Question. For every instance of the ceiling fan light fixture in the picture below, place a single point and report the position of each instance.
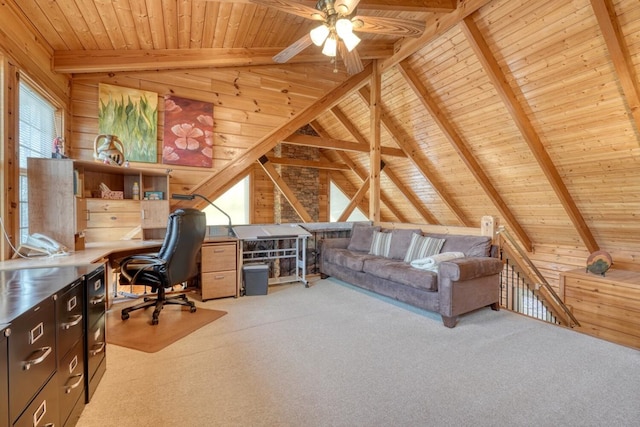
(330, 46)
(344, 27)
(351, 41)
(319, 34)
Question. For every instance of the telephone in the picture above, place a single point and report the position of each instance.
(39, 244)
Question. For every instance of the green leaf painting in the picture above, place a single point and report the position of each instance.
(131, 115)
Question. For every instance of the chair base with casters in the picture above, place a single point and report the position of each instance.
(159, 302)
(175, 263)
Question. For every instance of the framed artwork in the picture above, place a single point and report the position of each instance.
(131, 115)
(188, 132)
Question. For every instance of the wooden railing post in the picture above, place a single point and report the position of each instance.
(489, 227)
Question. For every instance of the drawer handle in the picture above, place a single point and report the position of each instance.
(218, 277)
(217, 251)
(76, 319)
(99, 348)
(45, 351)
(97, 300)
(69, 387)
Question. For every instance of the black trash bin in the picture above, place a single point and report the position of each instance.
(256, 279)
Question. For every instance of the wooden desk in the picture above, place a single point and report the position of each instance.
(103, 252)
(93, 253)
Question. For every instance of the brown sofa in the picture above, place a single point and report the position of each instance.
(458, 286)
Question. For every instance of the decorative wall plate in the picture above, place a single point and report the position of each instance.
(599, 262)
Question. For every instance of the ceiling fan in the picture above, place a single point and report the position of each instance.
(338, 20)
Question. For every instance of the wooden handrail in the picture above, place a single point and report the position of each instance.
(542, 287)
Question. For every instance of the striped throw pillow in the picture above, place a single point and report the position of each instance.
(381, 244)
(422, 247)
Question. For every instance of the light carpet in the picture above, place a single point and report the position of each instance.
(137, 332)
(332, 355)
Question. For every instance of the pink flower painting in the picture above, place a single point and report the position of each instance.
(188, 132)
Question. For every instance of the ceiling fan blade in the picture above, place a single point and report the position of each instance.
(348, 5)
(292, 7)
(390, 26)
(352, 61)
(293, 49)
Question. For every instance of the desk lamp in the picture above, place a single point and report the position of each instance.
(193, 196)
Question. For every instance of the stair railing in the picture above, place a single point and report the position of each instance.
(535, 283)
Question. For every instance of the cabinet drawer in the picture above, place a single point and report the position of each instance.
(219, 284)
(218, 257)
(96, 297)
(71, 383)
(43, 410)
(112, 213)
(32, 354)
(95, 356)
(69, 307)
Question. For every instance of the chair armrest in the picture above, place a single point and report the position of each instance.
(139, 263)
(460, 269)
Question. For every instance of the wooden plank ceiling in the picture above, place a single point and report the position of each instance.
(528, 110)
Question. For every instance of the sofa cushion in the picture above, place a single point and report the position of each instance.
(400, 272)
(361, 237)
(380, 244)
(346, 258)
(471, 246)
(422, 247)
(400, 241)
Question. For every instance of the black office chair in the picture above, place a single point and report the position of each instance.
(175, 263)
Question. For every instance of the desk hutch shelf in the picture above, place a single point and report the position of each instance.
(65, 202)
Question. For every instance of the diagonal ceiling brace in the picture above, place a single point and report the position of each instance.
(519, 116)
(465, 155)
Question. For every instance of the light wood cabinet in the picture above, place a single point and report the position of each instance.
(219, 269)
(606, 306)
(65, 201)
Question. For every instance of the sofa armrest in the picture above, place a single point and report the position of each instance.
(326, 245)
(460, 269)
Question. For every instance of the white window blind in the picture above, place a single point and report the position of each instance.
(36, 132)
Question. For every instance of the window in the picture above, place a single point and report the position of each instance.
(37, 130)
(235, 202)
(338, 202)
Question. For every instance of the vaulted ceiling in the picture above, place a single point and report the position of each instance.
(528, 110)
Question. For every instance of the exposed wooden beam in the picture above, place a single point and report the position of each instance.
(93, 61)
(284, 188)
(411, 197)
(272, 138)
(308, 163)
(435, 26)
(338, 144)
(465, 154)
(519, 116)
(414, 153)
(406, 192)
(344, 156)
(615, 40)
(404, 5)
(355, 200)
(198, 203)
(374, 143)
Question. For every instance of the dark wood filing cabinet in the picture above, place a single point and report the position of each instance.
(96, 347)
(4, 377)
(45, 373)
